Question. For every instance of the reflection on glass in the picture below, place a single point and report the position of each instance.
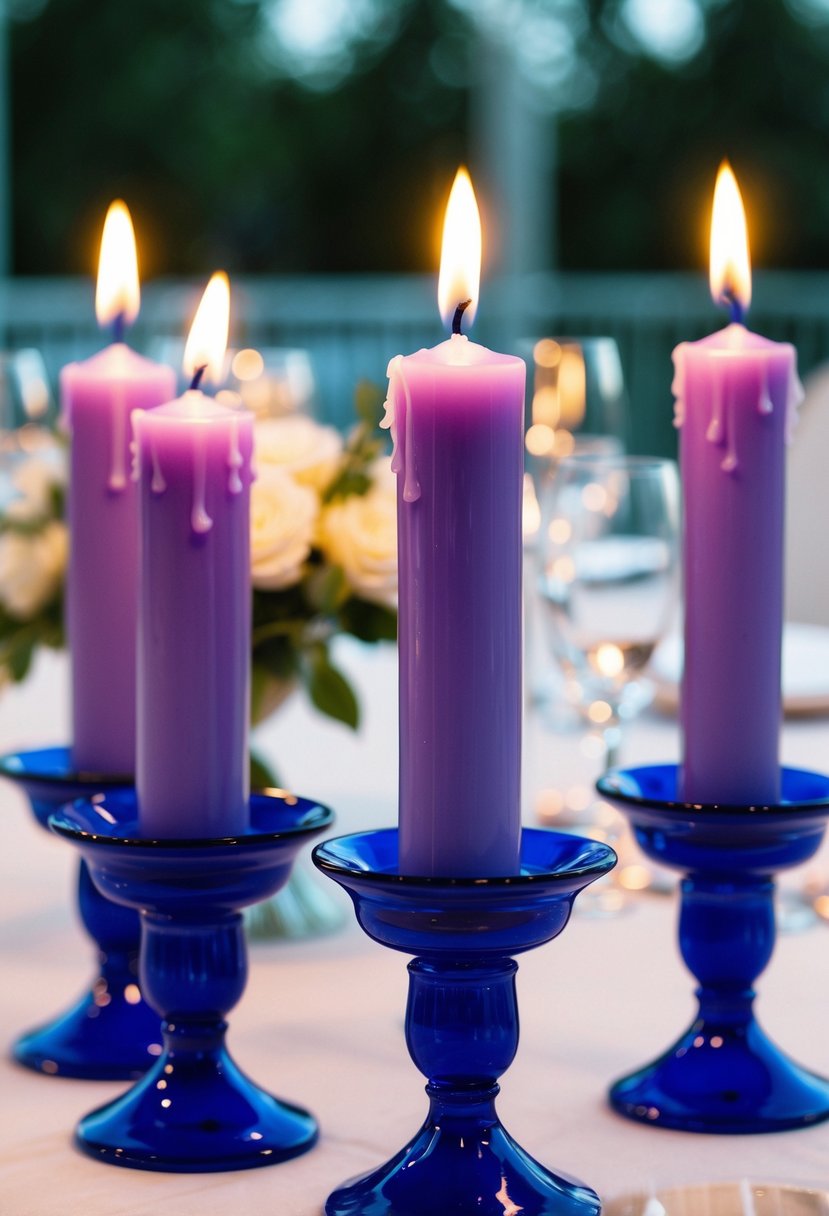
(608, 579)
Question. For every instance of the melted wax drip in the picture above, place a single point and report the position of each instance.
(200, 521)
(157, 484)
(722, 427)
(117, 479)
(678, 386)
(234, 460)
(402, 460)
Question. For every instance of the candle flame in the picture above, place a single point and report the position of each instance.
(117, 292)
(730, 264)
(460, 256)
(207, 341)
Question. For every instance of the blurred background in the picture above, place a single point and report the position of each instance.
(308, 147)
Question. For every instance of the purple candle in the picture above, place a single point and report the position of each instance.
(736, 396)
(456, 413)
(97, 399)
(193, 467)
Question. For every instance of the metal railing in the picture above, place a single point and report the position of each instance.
(351, 327)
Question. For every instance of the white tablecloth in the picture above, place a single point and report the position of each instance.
(321, 1021)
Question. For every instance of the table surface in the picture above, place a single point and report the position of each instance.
(321, 1021)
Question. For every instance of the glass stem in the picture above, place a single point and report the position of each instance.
(612, 739)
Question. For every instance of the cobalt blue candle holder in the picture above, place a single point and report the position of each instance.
(724, 1074)
(462, 1019)
(195, 1111)
(110, 1033)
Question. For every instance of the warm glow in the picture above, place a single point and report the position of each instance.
(546, 352)
(117, 293)
(531, 511)
(208, 334)
(247, 364)
(730, 264)
(572, 388)
(540, 439)
(460, 255)
(610, 660)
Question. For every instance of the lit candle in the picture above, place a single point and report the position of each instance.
(97, 399)
(456, 413)
(736, 396)
(193, 467)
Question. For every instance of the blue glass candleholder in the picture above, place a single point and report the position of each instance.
(110, 1033)
(724, 1074)
(462, 1019)
(194, 1111)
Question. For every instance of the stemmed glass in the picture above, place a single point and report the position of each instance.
(607, 584)
(575, 404)
(608, 580)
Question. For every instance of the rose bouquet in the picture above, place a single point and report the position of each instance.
(323, 553)
(33, 549)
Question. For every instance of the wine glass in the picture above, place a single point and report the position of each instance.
(608, 584)
(608, 557)
(575, 405)
(576, 399)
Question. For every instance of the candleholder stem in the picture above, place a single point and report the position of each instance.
(110, 1033)
(462, 1020)
(723, 1074)
(726, 937)
(195, 1111)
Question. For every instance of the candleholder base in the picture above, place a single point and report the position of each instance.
(462, 1019)
(724, 1075)
(195, 1111)
(111, 1033)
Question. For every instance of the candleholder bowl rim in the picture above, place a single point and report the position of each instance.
(574, 859)
(656, 786)
(54, 766)
(111, 820)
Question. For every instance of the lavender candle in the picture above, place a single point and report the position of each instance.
(736, 395)
(456, 413)
(193, 466)
(98, 396)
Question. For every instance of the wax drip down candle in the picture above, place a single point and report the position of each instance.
(193, 468)
(97, 398)
(456, 416)
(736, 400)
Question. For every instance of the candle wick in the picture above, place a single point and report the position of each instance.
(735, 307)
(197, 375)
(119, 324)
(459, 311)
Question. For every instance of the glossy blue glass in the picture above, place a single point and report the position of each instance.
(462, 1019)
(194, 1111)
(724, 1074)
(110, 1033)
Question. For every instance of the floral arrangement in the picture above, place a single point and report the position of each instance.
(323, 553)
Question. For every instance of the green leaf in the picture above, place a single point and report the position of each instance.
(18, 657)
(368, 402)
(330, 691)
(327, 589)
(368, 621)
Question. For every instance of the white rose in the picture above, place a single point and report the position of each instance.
(359, 534)
(31, 568)
(300, 446)
(32, 482)
(282, 520)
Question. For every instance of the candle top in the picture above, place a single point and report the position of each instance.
(117, 361)
(195, 406)
(458, 351)
(735, 339)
